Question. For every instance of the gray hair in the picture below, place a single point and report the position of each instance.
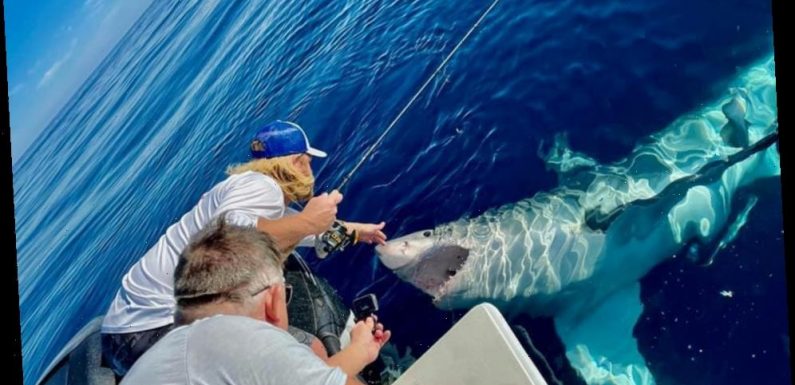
(226, 262)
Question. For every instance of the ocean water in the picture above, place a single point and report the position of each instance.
(178, 98)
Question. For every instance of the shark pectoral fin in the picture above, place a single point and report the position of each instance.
(599, 342)
(731, 230)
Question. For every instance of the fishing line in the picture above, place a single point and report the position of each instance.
(417, 94)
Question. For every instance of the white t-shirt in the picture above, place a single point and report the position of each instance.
(146, 297)
(234, 350)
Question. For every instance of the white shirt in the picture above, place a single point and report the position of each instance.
(232, 350)
(146, 298)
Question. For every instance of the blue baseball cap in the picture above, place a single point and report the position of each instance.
(280, 138)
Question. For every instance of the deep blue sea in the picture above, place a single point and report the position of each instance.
(179, 97)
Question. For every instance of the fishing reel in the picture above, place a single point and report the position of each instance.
(334, 239)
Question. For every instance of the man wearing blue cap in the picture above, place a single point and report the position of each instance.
(255, 194)
(282, 159)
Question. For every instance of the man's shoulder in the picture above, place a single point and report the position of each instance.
(251, 178)
(234, 326)
(230, 346)
(240, 336)
(223, 320)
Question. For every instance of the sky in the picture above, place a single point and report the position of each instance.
(52, 46)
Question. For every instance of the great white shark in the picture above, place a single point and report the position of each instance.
(577, 253)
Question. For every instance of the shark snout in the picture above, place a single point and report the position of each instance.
(400, 252)
(406, 250)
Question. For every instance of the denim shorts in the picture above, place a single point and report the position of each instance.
(120, 351)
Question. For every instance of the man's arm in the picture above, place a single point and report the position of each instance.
(367, 232)
(286, 231)
(351, 360)
(316, 218)
(367, 339)
(353, 381)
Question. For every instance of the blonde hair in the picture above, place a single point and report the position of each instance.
(295, 185)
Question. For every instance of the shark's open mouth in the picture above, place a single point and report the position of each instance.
(436, 269)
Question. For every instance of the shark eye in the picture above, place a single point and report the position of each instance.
(426, 234)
